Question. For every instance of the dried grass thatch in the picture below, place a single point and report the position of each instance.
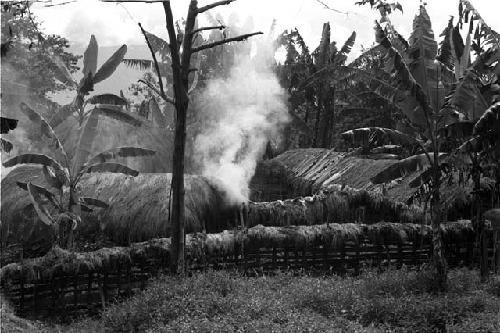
(309, 170)
(227, 243)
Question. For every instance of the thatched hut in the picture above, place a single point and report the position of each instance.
(139, 208)
(304, 172)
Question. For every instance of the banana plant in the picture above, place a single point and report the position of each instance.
(436, 92)
(64, 174)
(321, 96)
(91, 76)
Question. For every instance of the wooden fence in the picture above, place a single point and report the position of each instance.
(64, 295)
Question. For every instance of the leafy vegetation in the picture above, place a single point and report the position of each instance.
(64, 174)
(425, 73)
(91, 76)
(40, 59)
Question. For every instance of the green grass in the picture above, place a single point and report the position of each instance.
(392, 301)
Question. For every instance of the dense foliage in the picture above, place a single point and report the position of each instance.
(42, 61)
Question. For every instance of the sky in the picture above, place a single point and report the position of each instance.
(116, 24)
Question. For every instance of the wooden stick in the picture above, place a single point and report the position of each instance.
(219, 27)
(213, 5)
(225, 41)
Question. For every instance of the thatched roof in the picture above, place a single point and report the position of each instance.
(139, 206)
(309, 170)
(198, 245)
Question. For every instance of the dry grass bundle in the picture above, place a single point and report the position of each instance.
(333, 205)
(334, 236)
(391, 233)
(460, 231)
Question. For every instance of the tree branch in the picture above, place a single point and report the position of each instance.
(225, 41)
(213, 5)
(167, 98)
(220, 27)
(196, 75)
(174, 48)
(157, 67)
(146, 1)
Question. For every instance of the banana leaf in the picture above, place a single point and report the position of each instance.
(61, 115)
(94, 202)
(46, 129)
(6, 145)
(111, 167)
(115, 153)
(7, 124)
(42, 191)
(107, 99)
(401, 168)
(110, 65)
(40, 159)
(158, 117)
(39, 205)
(85, 142)
(90, 57)
(489, 121)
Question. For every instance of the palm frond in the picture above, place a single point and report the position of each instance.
(142, 64)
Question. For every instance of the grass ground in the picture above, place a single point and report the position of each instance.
(392, 301)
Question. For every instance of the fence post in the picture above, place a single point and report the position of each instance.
(53, 292)
(21, 300)
(357, 264)
(274, 258)
(286, 257)
(89, 289)
(75, 290)
(400, 254)
(325, 256)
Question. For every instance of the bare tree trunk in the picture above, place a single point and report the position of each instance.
(180, 72)
(178, 234)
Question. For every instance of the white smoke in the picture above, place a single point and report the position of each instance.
(245, 111)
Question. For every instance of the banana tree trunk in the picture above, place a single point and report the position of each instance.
(437, 240)
(478, 221)
(64, 233)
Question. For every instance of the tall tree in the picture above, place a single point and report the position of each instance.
(182, 46)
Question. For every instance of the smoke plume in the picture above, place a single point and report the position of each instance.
(245, 111)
